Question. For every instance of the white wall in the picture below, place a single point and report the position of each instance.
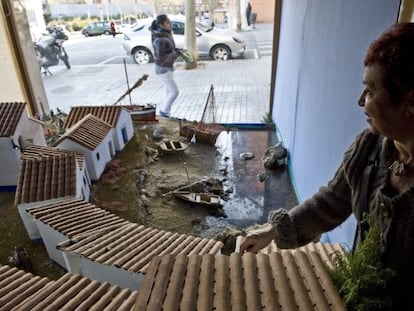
(29, 221)
(95, 167)
(30, 130)
(35, 17)
(318, 81)
(9, 163)
(123, 121)
(83, 183)
(10, 88)
(110, 9)
(111, 274)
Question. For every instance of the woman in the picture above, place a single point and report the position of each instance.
(165, 55)
(388, 103)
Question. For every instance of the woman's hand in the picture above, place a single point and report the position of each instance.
(257, 239)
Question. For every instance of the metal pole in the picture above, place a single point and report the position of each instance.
(127, 80)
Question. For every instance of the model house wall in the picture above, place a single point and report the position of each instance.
(117, 117)
(17, 130)
(96, 159)
(92, 137)
(124, 130)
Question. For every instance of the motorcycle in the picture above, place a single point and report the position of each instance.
(49, 50)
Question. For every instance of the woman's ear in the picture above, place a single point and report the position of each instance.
(410, 103)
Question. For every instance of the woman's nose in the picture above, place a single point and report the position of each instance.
(361, 100)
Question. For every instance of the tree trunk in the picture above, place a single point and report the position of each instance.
(190, 32)
(211, 9)
(234, 15)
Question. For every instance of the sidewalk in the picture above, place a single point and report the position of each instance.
(241, 87)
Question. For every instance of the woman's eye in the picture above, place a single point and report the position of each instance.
(367, 93)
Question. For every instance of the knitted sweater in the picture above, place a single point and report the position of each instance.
(164, 50)
(333, 203)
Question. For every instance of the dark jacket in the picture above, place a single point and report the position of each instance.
(164, 50)
(332, 204)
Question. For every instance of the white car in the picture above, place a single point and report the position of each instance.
(219, 44)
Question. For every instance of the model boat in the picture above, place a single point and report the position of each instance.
(208, 199)
(207, 130)
(170, 146)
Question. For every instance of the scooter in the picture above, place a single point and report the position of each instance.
(49, 49)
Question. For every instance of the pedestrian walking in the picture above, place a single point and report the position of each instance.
(248, 13)
(113, 30)
(165, 55)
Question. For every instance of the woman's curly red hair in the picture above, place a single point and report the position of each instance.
(394, 51)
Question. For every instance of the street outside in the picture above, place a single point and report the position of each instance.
(101, 50)
(98, 77)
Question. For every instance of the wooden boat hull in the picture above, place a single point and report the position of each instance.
(171, 146)
(206, 199)
(142, 113)
(205, 134)
(207, 130)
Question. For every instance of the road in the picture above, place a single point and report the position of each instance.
(101, 50)
(96, 50)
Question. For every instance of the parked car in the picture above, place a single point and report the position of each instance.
(219, 44)
(123, 28)
(96, 29)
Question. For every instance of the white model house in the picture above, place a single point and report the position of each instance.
(121, 255)
(63, 220)
(117, 117)
(17, 129)
(92, 137)
(47, 178)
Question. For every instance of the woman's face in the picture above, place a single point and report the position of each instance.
(384, 117)
(166, 25)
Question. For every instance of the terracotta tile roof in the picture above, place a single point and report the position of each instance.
(45, 178)
(283, 280)
(75, 216)
(10, 114)
(88, 132)
(35, 151)
(25, 291)
(109, 114)
(132, 246)
(326, 251)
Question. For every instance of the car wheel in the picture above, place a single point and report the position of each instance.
(220, 52)
(142, 56)
(107, 33)
(86, 34)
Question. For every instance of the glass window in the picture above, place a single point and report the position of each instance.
(138, 28)
(177, 28)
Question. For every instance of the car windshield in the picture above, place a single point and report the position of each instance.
(138, 28)
(204, 27)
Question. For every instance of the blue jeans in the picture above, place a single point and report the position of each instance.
(171, 91)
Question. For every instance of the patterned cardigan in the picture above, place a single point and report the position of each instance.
(333, 203)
